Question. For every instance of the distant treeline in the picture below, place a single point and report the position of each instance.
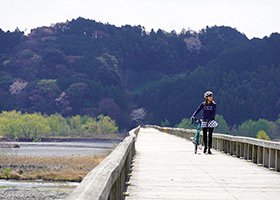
(17, 125)
(261, 128)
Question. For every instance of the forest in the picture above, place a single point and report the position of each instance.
(84, 67)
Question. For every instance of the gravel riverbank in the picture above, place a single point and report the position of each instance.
(22, 190)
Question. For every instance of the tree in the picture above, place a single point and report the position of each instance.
(138, 115)
(15, 125)
(9, 126)
(63, 103)
(33, 126)
(109, 69)
(58, 125)
(251, 128)
(17, 86)
(262, 135)
(49, 87)
(278, 121)
(193, 43)
(165, 123)
(108, 106)
(75, 123)
(185, 123)
(77, 95)
(222, 124)
(106, 125)
(90, 127)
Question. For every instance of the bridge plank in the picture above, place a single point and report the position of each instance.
(166, 168)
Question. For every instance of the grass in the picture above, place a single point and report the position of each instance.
(67, 168)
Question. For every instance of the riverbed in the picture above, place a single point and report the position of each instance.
(37, 190)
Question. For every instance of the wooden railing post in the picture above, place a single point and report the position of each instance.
(250, 149)
(277, 161)
(254, 154)
(260, 156)
(234, 150)
(271, 159)
(265, 157)
(238, 149)
(215, 143)
(242, 150)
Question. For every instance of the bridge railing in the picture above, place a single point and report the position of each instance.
(261, 152)
(109, 179)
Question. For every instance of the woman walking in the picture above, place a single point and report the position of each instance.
(208, 119)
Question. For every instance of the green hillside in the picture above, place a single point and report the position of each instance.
(89, 68)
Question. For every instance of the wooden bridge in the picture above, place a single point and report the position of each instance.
(159, 163)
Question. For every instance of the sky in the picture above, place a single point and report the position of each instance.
(255, 18)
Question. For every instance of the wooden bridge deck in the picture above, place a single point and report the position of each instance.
(166, 168)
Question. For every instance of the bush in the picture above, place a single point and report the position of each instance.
(6, 172)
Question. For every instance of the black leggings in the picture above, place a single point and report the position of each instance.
(210, 130)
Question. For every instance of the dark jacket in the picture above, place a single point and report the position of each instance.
(209, 111)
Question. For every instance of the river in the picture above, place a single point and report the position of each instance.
(59, 148)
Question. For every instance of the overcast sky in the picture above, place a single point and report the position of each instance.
(255, 18)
